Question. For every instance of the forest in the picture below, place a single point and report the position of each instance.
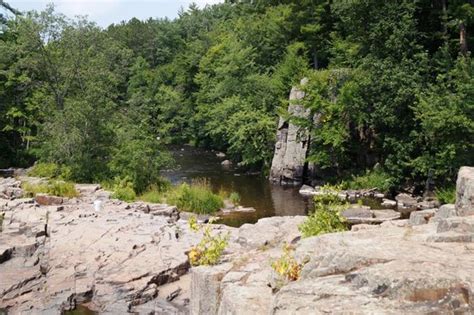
(391, 83)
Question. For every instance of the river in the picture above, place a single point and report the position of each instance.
(254, 189)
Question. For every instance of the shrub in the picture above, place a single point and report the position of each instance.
(234, 198)
(371, 179)
(287, 266)
(210, 248)
(2, 216)
(31, 190)
(446, 195)
(326, 217)
(63, 189)
(55, 188)
(48, 170)
(123, 190)
(330, 195)
(197, 198)
(152, 196)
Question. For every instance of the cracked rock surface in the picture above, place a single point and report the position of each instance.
(125, 257)
(387, 269)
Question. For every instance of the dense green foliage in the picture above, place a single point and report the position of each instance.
(390, 82)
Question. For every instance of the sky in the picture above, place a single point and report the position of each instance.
(106, 12)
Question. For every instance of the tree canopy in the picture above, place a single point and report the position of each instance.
(390, 80)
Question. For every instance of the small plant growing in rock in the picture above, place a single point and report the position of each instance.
(286, 266)
(446, 195)
(210, 248)
(326, 217)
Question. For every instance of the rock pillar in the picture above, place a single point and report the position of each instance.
(292, 144)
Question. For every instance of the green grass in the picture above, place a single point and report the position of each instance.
(152, 196)
(371, 179)
(446, 194)
(197, 197)
(53, 187)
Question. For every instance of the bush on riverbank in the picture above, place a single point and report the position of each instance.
(326, 217)
(376, 178)
(53, 187)
(151, 196)
(197, 197)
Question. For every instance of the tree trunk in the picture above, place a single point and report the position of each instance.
(463, 38)
(315, 59)
(444, 19)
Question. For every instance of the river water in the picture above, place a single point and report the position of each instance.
(254, 189)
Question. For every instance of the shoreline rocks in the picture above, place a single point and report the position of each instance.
(420, 265)
(132, 258)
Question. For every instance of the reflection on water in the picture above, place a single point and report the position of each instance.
(255, 190)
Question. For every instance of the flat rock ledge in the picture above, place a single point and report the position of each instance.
(58, 253)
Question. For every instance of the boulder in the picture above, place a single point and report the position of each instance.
(226, 163)
(422, 217)
(387, 203)
(406, 203)
(465, 191)
(306, 190)
(206, 288)
(446, 211)
(428, 203)
(456, 224)
(357, 215)
(47, 200)
(363, 215)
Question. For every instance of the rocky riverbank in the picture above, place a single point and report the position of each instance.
(56, 254)
(421, 265)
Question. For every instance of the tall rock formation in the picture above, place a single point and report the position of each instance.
(292, 144)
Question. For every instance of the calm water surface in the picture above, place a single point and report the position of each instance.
(254, 189)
